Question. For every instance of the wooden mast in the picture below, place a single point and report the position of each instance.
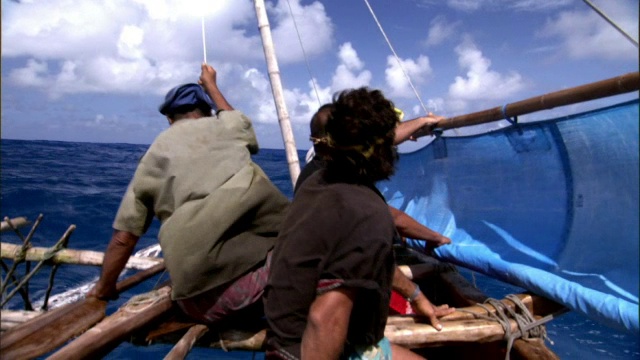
(276, 88)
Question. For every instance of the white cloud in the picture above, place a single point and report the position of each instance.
(348, 74)
(417, 70)
(466, 5)
(584, 34)
(440, 29)
(349, 57)
(131, 38)
(148, 46)
(312, 25)
(30, 75)
(517, 5)
(122, 46)
(481, 83)
(537, 5)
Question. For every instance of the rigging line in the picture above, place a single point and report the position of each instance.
(304, 54)
(604, 16)
(204, 45)
(396, 56)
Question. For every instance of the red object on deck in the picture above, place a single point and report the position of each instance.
(399, 305)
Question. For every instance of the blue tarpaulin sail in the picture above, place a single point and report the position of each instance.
(549, 206)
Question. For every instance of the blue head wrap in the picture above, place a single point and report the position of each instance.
(185, 95)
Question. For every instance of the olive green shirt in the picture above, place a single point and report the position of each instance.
(219, 212)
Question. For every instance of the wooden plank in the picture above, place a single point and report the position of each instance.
(52, 329)
(12, 318)
(184, 345)
(108, 333)
(18, 316)
(470, 312)
(459, 331)
(76, 257)
(48, 331)
(532, 349)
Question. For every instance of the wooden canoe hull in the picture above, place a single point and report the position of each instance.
(467, 333)
(463, 336)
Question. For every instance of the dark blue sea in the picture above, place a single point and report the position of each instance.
(81, 184)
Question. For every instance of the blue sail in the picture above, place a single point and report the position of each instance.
(550, 206)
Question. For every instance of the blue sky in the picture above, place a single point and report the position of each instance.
(96, 71)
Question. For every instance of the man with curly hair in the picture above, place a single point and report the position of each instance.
(329, 288)
(406, 225)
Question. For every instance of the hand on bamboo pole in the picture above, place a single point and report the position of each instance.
(414, 128)
(422, 306)
(431, 122)
(118, 253)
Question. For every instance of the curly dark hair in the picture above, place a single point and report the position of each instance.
(360, 136)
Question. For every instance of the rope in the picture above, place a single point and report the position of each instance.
(148, 300)
(304, 54)
(204, 43)
(611, 22)
(223, 346)
(528, 326)
(512, 120)
(397, 58)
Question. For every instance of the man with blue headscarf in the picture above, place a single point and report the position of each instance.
(219, 212)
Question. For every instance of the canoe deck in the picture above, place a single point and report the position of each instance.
(467, 332)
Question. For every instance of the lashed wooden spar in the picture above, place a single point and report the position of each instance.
(613, 86)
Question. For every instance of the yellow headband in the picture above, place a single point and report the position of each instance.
(366, 152)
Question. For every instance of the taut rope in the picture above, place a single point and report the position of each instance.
(424, 108)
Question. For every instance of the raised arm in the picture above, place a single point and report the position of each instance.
(208, 81)
(115, 258)
(327, 324)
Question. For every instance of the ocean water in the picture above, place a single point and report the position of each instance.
(81, 184)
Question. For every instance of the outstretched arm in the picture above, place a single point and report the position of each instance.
(208, 81)
(409, 227)
(115, 258)
(422, 125)
(327, 324)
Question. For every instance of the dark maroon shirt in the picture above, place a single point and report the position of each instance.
(335, 234)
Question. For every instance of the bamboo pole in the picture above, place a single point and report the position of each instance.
(53, 328)
(253, 342)
(614, 86)
(26, 243)
(107, 334)
(184, 345)
(536, 305)
(76, 257)
(12, 318)
(276, 88)
(16, 222)
(64, 240)
(467, 331)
